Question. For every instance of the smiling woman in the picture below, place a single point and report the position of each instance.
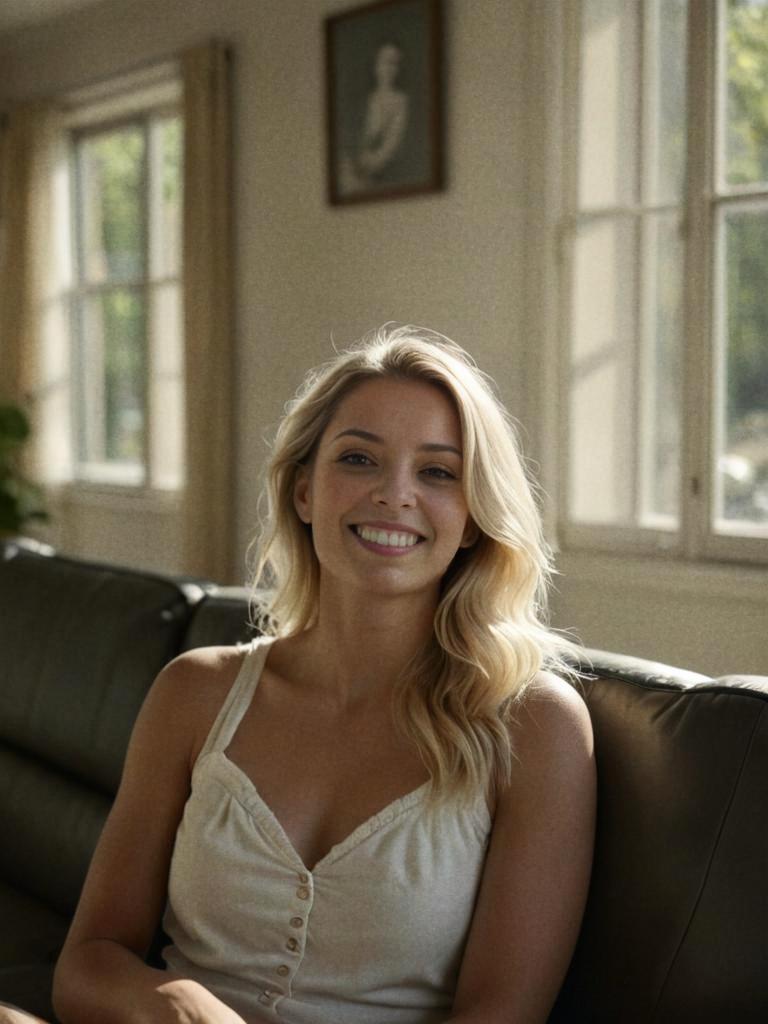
(342, 819)
(383, 484)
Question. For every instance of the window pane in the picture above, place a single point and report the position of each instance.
(111, 181)
(166, 195)
(609, 111)
(602, 373)
(112, 377)
(665, 100)
(660, 380)
(167, 392)
(742, 480)
(746, 82)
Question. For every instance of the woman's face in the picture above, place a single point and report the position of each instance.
(384, 491)
(387, 64)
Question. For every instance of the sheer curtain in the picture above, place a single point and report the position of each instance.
(208, 506)
(33, 367)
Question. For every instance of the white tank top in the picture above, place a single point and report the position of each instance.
(373, 935)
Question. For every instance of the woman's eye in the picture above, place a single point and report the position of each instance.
(438, 473)
(355, 459)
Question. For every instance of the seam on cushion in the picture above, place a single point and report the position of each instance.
(715, 847)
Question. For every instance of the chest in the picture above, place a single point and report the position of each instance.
(321, 773)
(384, 109)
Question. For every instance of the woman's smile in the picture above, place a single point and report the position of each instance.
(386, 540)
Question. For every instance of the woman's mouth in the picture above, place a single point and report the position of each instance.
(394, 540)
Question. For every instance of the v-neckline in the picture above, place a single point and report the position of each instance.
(258, 806)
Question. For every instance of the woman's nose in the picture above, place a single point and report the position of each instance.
(394, 489)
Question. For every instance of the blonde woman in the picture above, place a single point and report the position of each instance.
(382, 811)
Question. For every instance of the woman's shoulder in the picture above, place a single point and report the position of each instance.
(551, 717)
(191, 689)
(552, 748)
(547, 688)
(202, 673)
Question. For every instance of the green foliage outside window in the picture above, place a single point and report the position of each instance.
(113, 220)
(116, 164)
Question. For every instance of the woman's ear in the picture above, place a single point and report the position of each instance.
(471, 533)
(302, 494)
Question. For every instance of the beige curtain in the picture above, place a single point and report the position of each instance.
(208, 506)
(27, 157)
(19, 171)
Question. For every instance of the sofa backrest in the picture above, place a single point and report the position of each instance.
(222, 617)
(79, 647)
(676, 926)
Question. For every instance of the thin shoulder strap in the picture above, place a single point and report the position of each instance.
(239, 697)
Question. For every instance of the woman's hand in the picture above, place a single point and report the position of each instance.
(191, 1003)
(11, 1015)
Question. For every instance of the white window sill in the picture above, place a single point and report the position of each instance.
(118, 497)
(663, 575)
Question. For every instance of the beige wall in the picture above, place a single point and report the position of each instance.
(307, 272)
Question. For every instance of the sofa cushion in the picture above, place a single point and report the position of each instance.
(54, 821)
(29, 986)
(31, 937)
(80, 651)
(677, 917)
(31, 931)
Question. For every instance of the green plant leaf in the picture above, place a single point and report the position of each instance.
(14, 425)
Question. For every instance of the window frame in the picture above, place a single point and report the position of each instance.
(695, 537)
(137, 98)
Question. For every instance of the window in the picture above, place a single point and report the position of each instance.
(126, 337)
(665, 309)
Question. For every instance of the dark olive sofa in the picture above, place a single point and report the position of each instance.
(676, 927)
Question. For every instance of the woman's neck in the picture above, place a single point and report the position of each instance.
(360, 648)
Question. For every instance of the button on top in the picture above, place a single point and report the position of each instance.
(302, 892)
(303, 878)
(282, 970)
(292, 944)
(297, 922)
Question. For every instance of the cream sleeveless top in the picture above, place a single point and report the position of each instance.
(373, 935)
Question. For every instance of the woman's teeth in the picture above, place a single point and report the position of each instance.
(386, 539)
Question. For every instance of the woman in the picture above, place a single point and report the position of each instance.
(386, 116)
(381, 812)
(385, 123)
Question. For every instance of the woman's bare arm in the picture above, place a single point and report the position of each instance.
(101, 977)
(537, 872)
(11, 1015)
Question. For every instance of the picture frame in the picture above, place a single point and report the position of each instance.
(384, 101)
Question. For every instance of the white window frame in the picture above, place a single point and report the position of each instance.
(132, 98)
(695, 539)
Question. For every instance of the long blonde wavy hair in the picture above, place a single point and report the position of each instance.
(455, 701)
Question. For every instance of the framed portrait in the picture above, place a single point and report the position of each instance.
(384, 100)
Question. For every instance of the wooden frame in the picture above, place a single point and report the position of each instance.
(384, 100)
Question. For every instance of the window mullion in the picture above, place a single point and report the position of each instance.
(146, 212)
(635, 443)
(571, 131)
(696, 473)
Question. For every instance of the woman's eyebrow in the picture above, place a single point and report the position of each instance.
(366, 435)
